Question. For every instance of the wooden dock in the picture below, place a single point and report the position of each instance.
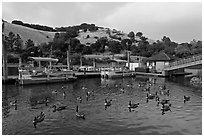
(82, 75)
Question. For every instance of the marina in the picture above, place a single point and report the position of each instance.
(101, 71)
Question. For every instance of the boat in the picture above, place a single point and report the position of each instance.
(116, 73)
(42, 75)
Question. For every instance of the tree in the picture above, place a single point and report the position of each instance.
(131, 35)
(126, 44)
(182, 50)
(115, 47)
(10, 41)
(139, 34)
(18, 45)
(87, 50)
(29, 44)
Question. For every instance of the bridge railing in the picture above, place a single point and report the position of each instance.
(184, 61)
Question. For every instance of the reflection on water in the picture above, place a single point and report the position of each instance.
(185, 118)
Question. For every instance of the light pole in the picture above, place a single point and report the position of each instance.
(68, 52)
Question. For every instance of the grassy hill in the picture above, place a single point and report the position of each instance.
(28, 33)
(39, 36)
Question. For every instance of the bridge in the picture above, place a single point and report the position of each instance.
(179, 65)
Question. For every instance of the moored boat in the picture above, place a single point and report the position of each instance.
(33, 75)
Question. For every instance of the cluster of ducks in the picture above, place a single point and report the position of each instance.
(79, 115)
(165, 103)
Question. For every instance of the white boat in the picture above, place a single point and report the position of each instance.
(40, 75)
(116, 73)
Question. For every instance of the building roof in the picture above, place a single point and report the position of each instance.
(44, 59)
(160, 57)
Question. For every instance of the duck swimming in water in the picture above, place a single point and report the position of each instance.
(132, 106)
(58, 108)
(14, 104)
(79, 115)
(186, 98)
(107, 103)
(165, 107)
(79, 99)
(38, 119)
(54, 92)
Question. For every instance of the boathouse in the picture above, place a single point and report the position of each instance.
(157, 62)
(137, 62)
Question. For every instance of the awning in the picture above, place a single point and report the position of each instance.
(44, 59)
(118, 60)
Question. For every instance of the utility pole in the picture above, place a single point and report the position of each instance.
(68, 54)
(4, 49)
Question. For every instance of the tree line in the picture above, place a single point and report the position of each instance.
(83, 26)
(136, 43)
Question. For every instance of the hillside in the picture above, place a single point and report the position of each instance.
(27, 33)
(39, 36)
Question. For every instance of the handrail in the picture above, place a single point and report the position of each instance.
(184, 61)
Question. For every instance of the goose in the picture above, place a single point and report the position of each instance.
(122, 90)
(58, 108)
(79, 115)
(150, 96)
(107, 103)
(163, 87)
(165, 108)
(54, 92)
(14, 104)
(79, 99)
(38, 119)
(132, 106)
(84, 88)
(186, 98)
(64, 94)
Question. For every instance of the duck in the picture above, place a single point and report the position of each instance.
(14, 104)
(83, 88)
(79, 115)
(55, 92)
(122, 90)
(163, 87)
(79, 99)
(186, 98)
(132, 106)
(46, 101)
(62, 87)
(38, 119)
(150, 96)
(107, 103)
(165, 108)
(64, 94)
(58, 108)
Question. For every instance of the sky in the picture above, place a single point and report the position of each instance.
(181, 21)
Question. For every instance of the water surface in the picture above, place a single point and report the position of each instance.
(185, 118)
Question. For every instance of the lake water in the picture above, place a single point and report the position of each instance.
(147, 119)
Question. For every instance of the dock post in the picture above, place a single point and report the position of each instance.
(4, 49)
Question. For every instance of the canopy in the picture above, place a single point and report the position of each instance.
(44, 59)
(118, 60)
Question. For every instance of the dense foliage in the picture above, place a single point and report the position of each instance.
(136, 43)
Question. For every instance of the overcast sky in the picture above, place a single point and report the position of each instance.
(182, 22)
